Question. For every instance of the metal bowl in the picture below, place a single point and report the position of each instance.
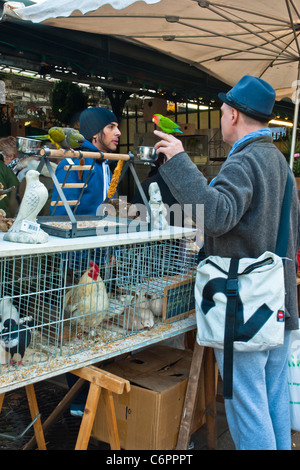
(27, 145)
(147, 154)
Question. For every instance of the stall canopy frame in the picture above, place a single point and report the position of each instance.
(223, 39)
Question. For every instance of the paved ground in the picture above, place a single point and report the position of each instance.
(15, 417)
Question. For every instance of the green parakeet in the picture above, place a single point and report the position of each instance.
(63, 137)
(166, 124)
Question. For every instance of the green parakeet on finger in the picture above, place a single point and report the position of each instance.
(166, 124)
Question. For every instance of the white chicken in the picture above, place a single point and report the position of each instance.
(87, 303)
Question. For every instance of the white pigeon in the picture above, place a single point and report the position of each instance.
(34, 199)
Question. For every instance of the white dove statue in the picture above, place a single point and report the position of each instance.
(25, 228)
(158, 209)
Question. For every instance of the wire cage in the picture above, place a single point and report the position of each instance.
(59, 304)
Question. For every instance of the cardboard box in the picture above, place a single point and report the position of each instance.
(149, 416)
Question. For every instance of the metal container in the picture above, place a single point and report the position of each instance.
(27, 145)
(147, 154)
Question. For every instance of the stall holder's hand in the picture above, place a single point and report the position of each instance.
(169, 145)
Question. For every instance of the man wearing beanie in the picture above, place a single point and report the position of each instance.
(100, 128)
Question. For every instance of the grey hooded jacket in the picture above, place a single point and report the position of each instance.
(242, 209)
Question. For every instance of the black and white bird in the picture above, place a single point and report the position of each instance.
(8, 311)
(16, 339)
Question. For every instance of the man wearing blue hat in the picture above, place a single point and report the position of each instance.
(241, 217)
(100, 128)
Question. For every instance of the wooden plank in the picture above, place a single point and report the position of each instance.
(77, 167)
(72, 185)
(1, 400)
(190, 398)
(34, 411)
(60, 203)
(111, 420)
(103, 379)
(88, 417)
(61, 153)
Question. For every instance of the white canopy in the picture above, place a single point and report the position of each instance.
(226, 39)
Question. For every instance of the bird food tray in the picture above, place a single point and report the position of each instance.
(90, 225)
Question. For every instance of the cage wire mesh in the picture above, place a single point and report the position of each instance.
(66, 303)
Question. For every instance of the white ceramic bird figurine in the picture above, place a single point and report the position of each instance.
(158, 209)
(24, 228)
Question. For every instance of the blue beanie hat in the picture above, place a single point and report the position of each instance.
(93, 120)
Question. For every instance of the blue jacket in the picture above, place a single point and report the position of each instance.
(96, 190)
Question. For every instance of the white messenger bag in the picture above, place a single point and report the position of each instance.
(259, 312)
(240, 306)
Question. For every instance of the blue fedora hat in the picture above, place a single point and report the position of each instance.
(252, 96)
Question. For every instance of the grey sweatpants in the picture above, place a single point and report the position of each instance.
(258, 415)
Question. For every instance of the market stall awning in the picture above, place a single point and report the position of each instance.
(223, 39)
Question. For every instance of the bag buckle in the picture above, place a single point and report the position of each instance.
(232, 287)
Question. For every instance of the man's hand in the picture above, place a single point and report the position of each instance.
(169, 145)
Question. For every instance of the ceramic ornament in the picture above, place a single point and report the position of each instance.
(25, 228)
(158, 210)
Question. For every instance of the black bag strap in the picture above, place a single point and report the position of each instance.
(284, 224)
(232, 290)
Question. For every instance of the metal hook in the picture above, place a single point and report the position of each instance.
(15, 438)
